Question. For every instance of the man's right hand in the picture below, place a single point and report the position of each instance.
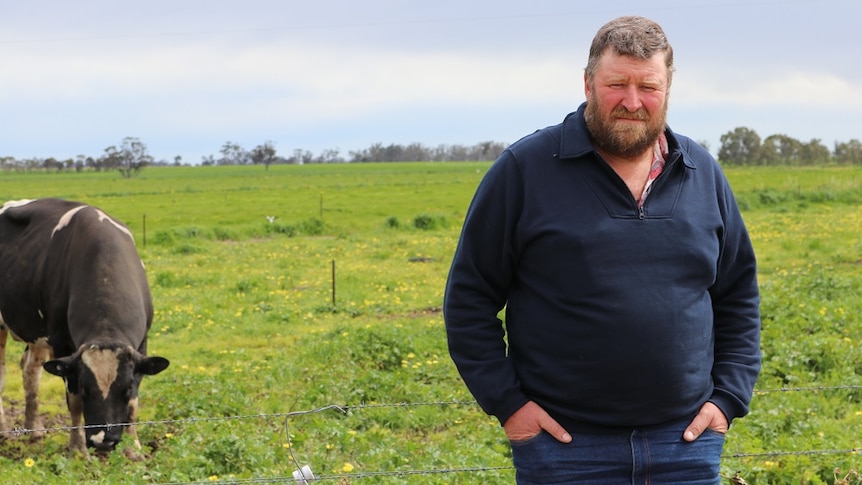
(530, 420)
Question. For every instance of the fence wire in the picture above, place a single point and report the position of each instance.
(353, 476)
(344, 409)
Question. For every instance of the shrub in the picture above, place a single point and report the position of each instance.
(392, 222)
(311, 227)
(428, 222)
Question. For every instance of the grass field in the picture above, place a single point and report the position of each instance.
(304, 287)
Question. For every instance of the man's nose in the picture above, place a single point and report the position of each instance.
(631, 99)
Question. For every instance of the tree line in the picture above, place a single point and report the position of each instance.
(128, 158)
(265, 154)
(741, 146)
(132, 155)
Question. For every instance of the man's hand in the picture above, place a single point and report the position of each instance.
(709, 416)
(530, 420)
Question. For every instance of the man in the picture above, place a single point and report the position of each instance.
(632, 329)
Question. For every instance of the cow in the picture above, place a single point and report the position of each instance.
(74, 289)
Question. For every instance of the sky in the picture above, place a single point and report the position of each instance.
(186, 77)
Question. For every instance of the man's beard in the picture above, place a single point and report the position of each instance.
(623, 139)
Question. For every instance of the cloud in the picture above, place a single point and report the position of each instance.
(776, 88)
(313, 81)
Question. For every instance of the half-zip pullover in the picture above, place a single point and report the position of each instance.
(616, 313)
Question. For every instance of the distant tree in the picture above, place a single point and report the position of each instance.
(130, 158)
(111, 158)
(80, 163)
(31, 164)
(439, 153)
(301, 157)
(848, 153)
(414, 152)
(7, 163)
(489, 150)
(356, 156)
(780, 150)
(329, 156)
(814, 153)
(233, 154)
(459, 153)
(739, 147)
(52, 164)
(263, 154)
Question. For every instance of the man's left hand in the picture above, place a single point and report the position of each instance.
(709, 416)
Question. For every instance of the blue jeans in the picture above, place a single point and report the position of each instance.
(643, 456)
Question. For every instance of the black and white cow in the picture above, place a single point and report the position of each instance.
(73, 285)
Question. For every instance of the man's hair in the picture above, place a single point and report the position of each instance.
(631, 36)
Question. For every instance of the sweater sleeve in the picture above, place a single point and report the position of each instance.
(736, 312)
(477, 289)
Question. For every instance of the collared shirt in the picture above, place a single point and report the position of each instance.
(659, 156)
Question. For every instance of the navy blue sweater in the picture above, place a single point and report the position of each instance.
(614, 315)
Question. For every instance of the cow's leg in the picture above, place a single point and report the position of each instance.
(4, 333)
(77, 440)
(133, 453)
(31, 369)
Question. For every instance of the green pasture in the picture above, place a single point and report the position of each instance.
(300, 309)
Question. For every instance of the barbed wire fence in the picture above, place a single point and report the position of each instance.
(303, 474)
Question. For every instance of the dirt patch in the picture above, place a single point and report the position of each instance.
(424, 312)
(17, 444)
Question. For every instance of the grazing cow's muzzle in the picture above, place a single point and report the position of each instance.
(104, 439)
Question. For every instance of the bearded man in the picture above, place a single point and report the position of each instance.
(631, 335)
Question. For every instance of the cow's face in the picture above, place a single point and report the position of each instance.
(104, 379)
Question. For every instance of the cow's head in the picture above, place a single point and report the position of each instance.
(104, 379)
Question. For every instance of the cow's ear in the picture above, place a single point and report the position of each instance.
(59, 367)
(152, 365)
